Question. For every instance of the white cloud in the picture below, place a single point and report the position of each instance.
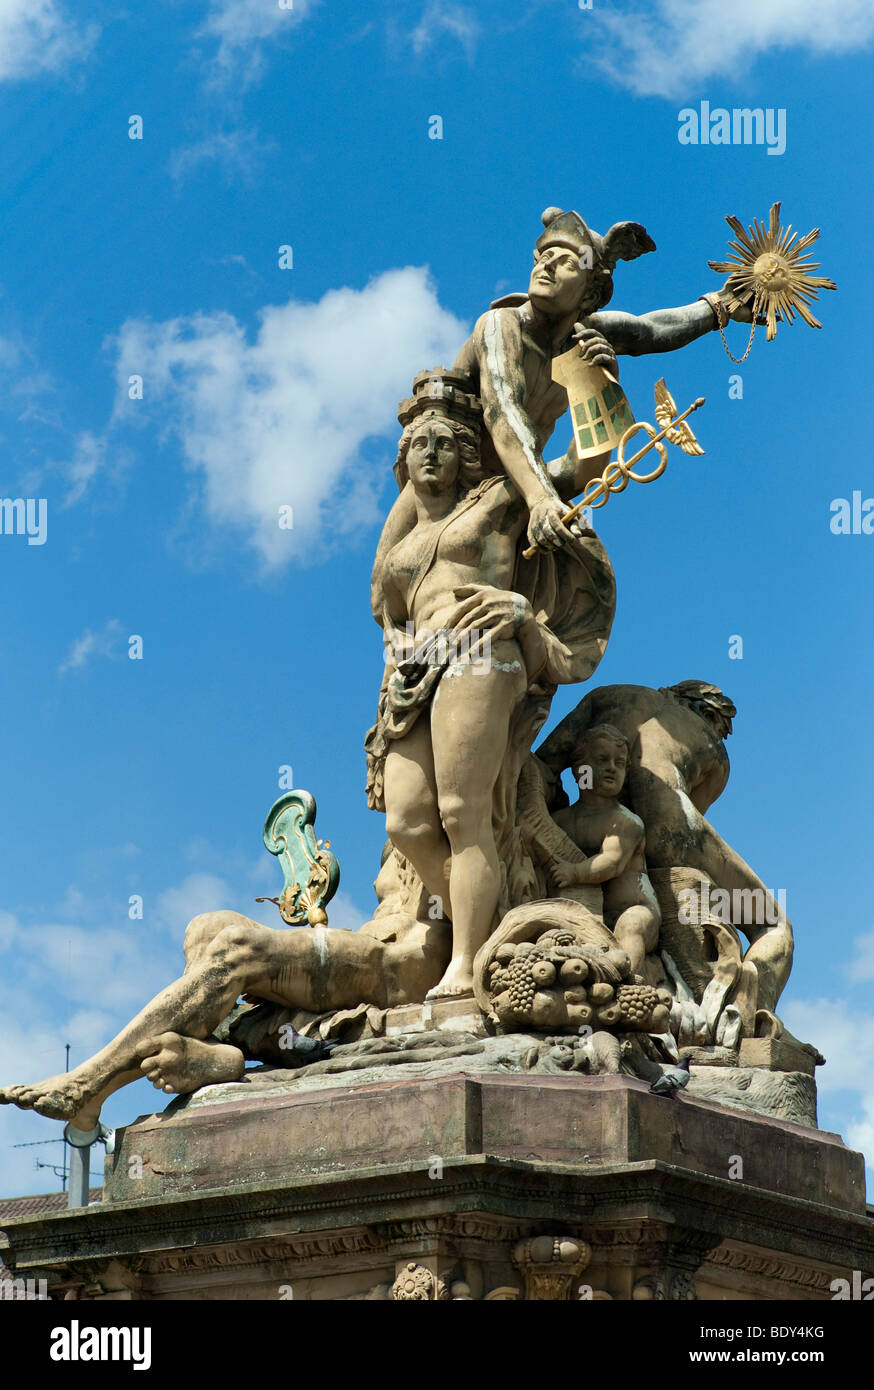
(26, 391)
(862, 966)
(104, 642)
(33, 1033)
(195, 894)
(89, 457)
(25, 1055)
(237, 152)
(38, 36)
(79, 981)
(241, 26)
(14, 360)
(441, 18)
(844, 1036)
(115, 968)
(670, 46)
(280, 421)
(344, 915)
(204, 892)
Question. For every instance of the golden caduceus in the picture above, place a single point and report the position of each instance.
(620, 471)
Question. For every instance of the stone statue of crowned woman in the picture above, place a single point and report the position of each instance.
(477, 640)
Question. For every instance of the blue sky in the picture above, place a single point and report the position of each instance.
(262, 386)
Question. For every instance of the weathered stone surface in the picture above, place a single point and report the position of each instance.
(422, 1043)
(566, 1177)
(780, 1054)
(218, 1139)
(455, 1015)
(781, 1095)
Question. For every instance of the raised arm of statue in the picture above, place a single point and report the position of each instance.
(663, 330)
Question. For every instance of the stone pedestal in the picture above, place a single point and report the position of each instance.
(470, 1184)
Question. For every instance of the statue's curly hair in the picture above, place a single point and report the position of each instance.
(599, 291)
(467, 437)
(706, 700)
(608, 731)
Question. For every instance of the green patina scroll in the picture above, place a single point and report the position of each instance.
(310, 871)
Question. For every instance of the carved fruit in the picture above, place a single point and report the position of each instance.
(579, 1014)
(601, 993)
(637, 1003)
(563, 952)
(521, 986)
(577, 995)
(609, 1015)
(505, 953)
(543, 974)
(661, 1017)
(573, 972)
(548, 1010)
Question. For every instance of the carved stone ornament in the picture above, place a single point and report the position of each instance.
(417, 1282)
(551, 1265)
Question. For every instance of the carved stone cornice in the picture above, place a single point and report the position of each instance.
(493, 1194)
(468, 1228)
(285, 1252)
(666, 1256)
(772, 1268)
(644, 1240)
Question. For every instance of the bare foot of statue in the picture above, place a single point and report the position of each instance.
(457, 983)
(60, 1097)
(174, 1063)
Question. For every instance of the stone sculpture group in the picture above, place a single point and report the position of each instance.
(566, 923)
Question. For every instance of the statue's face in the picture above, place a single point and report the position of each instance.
(608, 761)
(558, 282)
(433, 459)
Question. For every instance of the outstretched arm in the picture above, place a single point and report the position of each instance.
(666, 329)
(661, 331)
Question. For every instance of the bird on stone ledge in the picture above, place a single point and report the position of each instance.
(304, 1049)
(672, 1080)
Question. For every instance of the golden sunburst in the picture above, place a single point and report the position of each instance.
(769, 274)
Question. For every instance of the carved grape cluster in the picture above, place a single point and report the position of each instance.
(636, 1003)
(521, 987)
